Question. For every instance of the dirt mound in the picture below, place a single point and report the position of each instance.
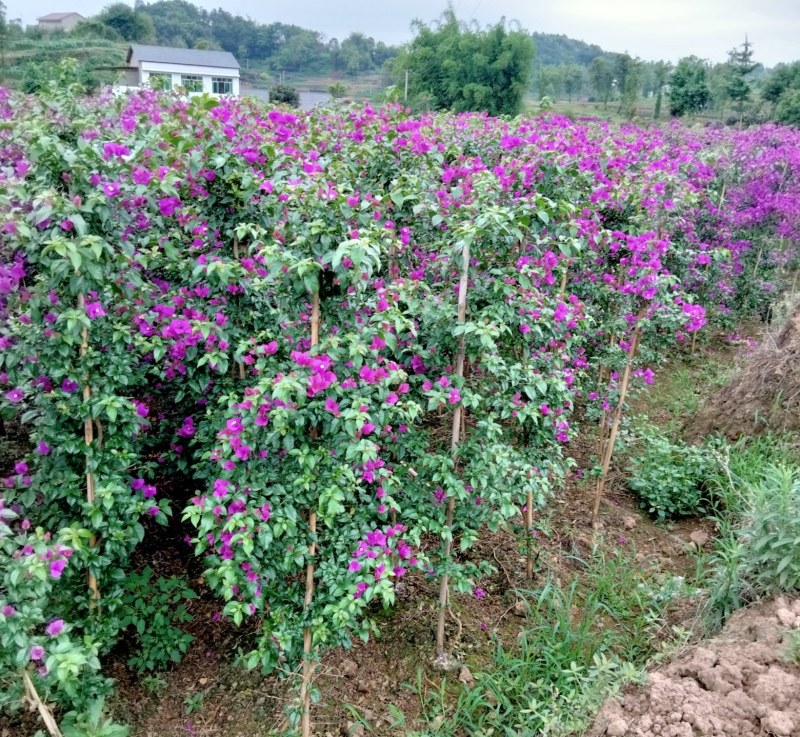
(765, 395)
(739, 683)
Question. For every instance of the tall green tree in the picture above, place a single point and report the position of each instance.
(740, 66)
(602, 77)
(783, 78)
(130, 24)
(661, 71)
(574, 77)
(550, 81)
(628, 76)
(788, 108)
(3, 35)
(688, 90)
(465, 68)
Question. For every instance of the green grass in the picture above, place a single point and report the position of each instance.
(580, 643)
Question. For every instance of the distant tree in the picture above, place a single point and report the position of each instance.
(689, 92)
(462, 67)
(180, 23)
(602, 78)
(550, 82)
(628, 76)
(337, 90)
(303, 50)
(357, 53)
(574, 77)
(788, 108)
(93, 28)
(661, 71)
(130, 24)
(285, 94)
(740, 66)
(784, 77)
(3, 37)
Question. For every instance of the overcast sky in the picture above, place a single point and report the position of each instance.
(651, 29)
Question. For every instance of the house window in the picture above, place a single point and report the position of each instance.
(160, 82)
(192, 83)
(222, 85)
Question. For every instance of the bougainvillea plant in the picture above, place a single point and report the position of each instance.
(345, 343)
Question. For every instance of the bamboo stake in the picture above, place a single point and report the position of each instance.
(308, 665)
(601, 440)
(454, 441)
(88, 436)
(44, 712)
(758, 261)
(529, 525)
(236, 256)
(609, 450)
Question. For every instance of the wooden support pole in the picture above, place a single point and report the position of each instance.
(88, 437)
(609, 449)
(444, 583)
(308, 662)
(32, 696)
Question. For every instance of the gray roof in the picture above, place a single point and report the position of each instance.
(168, 55)
(57, 16)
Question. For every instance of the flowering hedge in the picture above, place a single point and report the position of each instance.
(350, 332)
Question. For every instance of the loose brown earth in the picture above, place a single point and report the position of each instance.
(739, 683)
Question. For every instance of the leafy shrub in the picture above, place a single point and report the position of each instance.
(757, 554)
(285, 94)
(771, 532)
(154, 608)
(669, 476)
(92, 723)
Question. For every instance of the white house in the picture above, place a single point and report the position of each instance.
(59, 21)
(190, 70)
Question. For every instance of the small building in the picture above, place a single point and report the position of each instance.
(192, 71)
(59, 21)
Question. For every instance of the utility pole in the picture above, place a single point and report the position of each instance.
(405, 94)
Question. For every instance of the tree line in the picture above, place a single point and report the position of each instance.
(451, 64)
(737, 90)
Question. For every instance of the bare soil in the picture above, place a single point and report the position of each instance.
(741, 682)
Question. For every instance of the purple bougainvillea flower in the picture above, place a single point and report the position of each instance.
(57, 567)
(69, 386)
(168, 205)
(94, 310)
(141, 176)
(55, 628)
(15, 395)
(37, 652)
